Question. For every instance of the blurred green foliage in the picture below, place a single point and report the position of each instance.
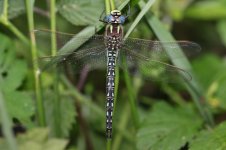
(37, 139)
(169, 117)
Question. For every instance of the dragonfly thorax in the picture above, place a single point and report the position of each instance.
(115, 17)
(113, 43)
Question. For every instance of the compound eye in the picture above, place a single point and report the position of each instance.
(122, 19)
(108, 18)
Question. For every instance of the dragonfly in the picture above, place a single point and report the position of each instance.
(111, 49)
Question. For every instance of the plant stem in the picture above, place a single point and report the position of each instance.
(5, 11)
(107, 7)
(53, 27)
(17, 33)
(109, 144)
(4, 20)
(132, 97)
(56, 101)
(112, 4)
(174, 95)
(39, 100)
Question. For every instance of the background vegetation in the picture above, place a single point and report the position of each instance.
(51, 112)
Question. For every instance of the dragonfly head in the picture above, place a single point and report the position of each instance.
(115, 17)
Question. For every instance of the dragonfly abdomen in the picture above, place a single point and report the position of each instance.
(110, 88)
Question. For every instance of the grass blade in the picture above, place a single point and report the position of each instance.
(139, 17)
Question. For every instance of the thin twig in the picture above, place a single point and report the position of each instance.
(41, 12)
(82, 122)
(83, 77)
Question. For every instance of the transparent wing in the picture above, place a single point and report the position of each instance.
(155, 70)
(66, 43)
(93, 58)
(162, 50)
(71, 50)
(153, 57)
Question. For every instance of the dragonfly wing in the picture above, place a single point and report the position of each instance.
(162, 50)
(66, 43)
(93, 58)
(153, 68)
(73, 50)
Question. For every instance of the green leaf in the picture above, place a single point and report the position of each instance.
(210, 139)
(13, 71)
(20, 106)
(37, 139)
(67, 116)
(15, 74)
(168, 128)
(81, 12)
(12, 74)
(5, 44)
(207, 10)
(16, 8)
